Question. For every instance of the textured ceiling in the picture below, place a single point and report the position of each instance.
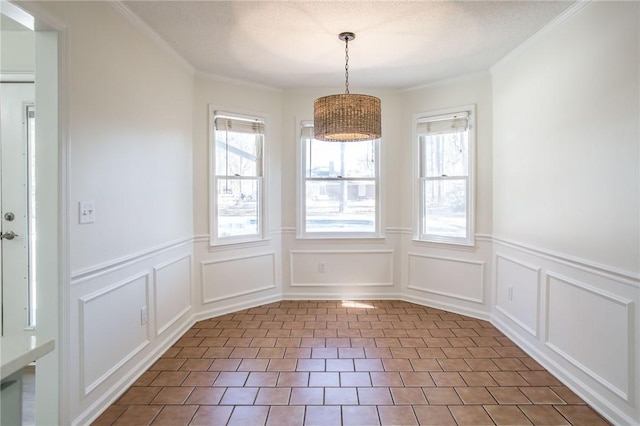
(293, 44)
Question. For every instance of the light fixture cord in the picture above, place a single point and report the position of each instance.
(346, 65)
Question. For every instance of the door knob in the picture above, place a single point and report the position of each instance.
(8, 235)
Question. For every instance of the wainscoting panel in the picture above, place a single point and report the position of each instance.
(232, 277)
(112, 341)
(111, 329)
(355, 268)
(587, 326)
(172, 290)
(517, 293)
(592, 329)
(455, 278)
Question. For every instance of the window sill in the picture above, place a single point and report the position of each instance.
(341, 238)
(236, 245)
(445, 244)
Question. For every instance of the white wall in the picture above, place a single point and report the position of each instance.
(448, 276)
(139, 147)
(127, 112)
(566, 202)
(233, 277)
(346, 276)
(566, 175)
(469, 90)
(48, 219)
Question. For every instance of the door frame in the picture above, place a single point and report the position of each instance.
(16, 295)
(52, 47)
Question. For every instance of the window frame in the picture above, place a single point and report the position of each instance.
(261, 179)
(419, 180)
(302, 179)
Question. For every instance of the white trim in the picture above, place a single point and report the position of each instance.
(99, 270)
(202, 238)
(291, 230)
(516, 321)
(234, 295)
(16, 77)
(442, 293)
(64, 244)
(487, 238)
(340, 284)
(444, 245)
(605, 271)
(558, 21)
(235, 81)
(145, 29)
(474, 313)
(15, 13)
(452, 80)
(262, 179)
(534, 268)
(156, 270)
(366, 251)
(301, 181)
(112, 394)
(397, 230)
(346, 296)
(585, 392)
(445, 294)
(625, 303)
(471, 179)
(205, 263)
(214, 312)
(87, 389)
(237, 245)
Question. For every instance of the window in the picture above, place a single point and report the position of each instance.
(237, 199)
(445, 146)
(339, 194)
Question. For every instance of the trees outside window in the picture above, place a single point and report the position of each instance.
(445, 181)
(237, 207)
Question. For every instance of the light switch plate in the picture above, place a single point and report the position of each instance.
(87, 212)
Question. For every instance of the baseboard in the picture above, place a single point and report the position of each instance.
(473, 313)
(607, 410)
(347, 296)
(89, 415)
(213, 312)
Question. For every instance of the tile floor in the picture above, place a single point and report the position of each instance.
(349, 363)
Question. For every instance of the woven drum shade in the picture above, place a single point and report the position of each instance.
(347, 118)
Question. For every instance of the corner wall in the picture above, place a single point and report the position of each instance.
(234, 277)
(127, 145)
(566, 202)
(448, 276)
(357, 268)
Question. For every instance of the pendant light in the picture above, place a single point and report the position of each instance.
(347, 117)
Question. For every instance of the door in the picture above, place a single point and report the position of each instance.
(17, 130)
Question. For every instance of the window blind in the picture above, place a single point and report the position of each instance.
(229, 122)
(306, 131)
(438, 125)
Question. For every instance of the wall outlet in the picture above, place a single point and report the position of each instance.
(87, 212)
(510, 293)
(144, 316)
(322, 267)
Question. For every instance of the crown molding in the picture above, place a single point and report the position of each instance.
(560, 20)
(134, 19)
(236, 81)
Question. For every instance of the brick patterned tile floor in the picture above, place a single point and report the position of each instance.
(346, 363)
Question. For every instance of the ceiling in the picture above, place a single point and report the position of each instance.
(294, 44)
